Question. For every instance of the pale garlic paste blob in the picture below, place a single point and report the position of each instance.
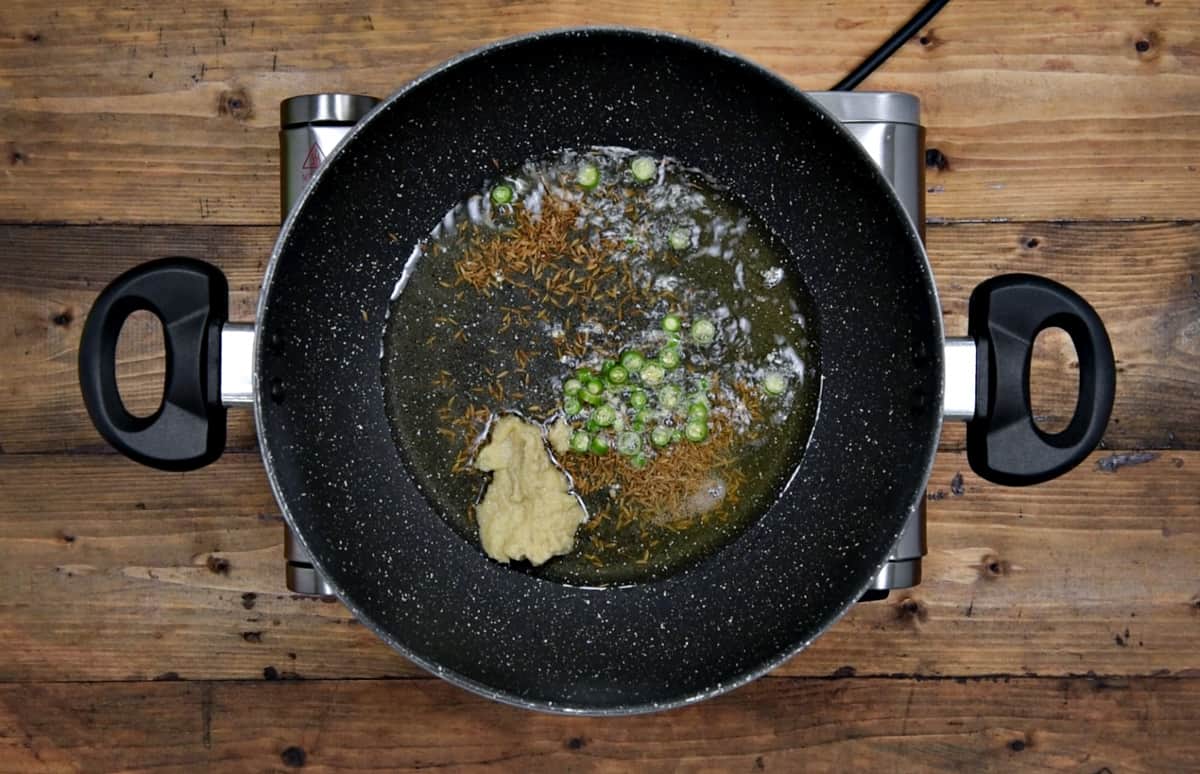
(559, 436)
(528, 511)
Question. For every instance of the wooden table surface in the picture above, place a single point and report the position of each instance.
(144, 622)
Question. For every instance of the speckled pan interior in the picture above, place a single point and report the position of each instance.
(344, 485)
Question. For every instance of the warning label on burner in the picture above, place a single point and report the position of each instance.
(312, 162)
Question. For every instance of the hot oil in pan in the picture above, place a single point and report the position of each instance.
(574, 270)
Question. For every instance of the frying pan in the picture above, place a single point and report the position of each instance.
(345, 488)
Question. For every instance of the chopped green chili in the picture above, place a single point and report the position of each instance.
(638, 399)
(695, 431)
(704, 332)
(502, 194)
(588, 176)
(639, 461)
(629, 443)
(643, 169)
(660, 436)
(572, 386)
(604, 415)
(697, 412)
(774, 383)
(669, 396)
(599, 445)
(633, 361)
(671, 323)
(654, 373)
(670, 358)
(680, 239)
(572, 405)
(618, 374)
(591, 398)
(580, 442)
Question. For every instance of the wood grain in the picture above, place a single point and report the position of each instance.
(998, 725)
(1144, 279)
(114, 572)
(155, 113)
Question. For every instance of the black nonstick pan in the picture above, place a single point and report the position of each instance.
(343, 483)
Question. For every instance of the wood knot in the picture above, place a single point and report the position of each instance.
(217, 565)
(32, 37)
(992, 567)
(909, 609)
(255, 637)
(935, 159)
(235, 103)
(576, 743)
(63, 318)
(1017, 745)
(248, 600)
(66, 537)
(929, 40)
(293, 757)
(1148, 46)
(17, 158)
(1032, 243)
(842, 23)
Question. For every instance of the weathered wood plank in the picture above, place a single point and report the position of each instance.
(1091, 725)
(1144, 281)
(1143, 278)
(49, 277)
(115, 572)
(167, 113)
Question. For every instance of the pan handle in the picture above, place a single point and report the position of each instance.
(191, 300)
(1006, 314)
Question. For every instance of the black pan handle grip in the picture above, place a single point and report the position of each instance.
(191, 299)
(1006, 314)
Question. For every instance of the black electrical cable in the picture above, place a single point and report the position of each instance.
(881, 54)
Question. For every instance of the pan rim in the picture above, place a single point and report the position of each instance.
(454, 677)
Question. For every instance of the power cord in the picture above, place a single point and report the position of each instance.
(898, 39)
